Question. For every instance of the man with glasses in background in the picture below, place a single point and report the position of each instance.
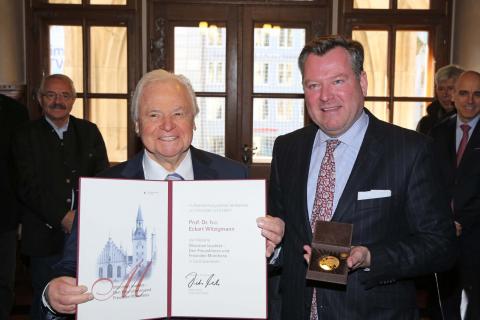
(51, 153)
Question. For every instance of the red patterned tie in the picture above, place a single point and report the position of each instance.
(323, 204)
(463, 143)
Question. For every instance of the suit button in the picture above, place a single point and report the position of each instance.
(67, 180)
(69, 200)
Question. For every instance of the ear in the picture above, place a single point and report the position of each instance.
(137, 128)
(364, 83)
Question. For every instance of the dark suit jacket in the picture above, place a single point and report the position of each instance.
(12, 115)
(48, 169)
(206, 166)
(408, 234)
(463, 185)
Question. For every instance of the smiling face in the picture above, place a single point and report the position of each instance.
(467, 96)
(333, 94)
(166, 122)
(57, 100)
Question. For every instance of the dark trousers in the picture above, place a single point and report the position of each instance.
(40, 269)
(8, 249)
(471, 284)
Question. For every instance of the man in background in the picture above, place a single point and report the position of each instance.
(350, 167)
(12, 115)
(442, 106)
(50, 154)
(457, 142)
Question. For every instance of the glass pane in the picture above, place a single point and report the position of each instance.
(210, 123)
(108, 60)
(375, 44)
(66, 53)
(200, 55)
(371, 4)
(414, 4)
(275, 57)
(77, 110)
(412, 70)
(407, 114)
(110, 115)
(378, 108)
(271, 118)
(66, 1)
(115, 2)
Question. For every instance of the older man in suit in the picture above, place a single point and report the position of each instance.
(163, 110)
(457, 142)
(50, 154)
(350, 167)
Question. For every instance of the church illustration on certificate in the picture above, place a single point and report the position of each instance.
(115, 263)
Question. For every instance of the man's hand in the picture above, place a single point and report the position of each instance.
(458, 228)
(63, 294)
(273, 229)
(67, 221)
(359, 257)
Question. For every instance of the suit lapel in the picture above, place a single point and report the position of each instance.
(134, 168)
(365, 166)
(201, 165)
(472, 152)
(305, 148)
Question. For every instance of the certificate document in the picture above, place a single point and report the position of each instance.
(154, 249)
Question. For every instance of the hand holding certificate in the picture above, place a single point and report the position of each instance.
(161, 249)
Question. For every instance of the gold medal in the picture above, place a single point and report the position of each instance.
(328, 263)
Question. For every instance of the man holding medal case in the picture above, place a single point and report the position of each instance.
(349, 167)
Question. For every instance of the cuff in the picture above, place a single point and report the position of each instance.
(45, 300)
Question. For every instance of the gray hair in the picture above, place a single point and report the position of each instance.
(41, 90)
(160, 75)
(321, 45)
(451, 71)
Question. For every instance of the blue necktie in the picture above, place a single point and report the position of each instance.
(174, 177)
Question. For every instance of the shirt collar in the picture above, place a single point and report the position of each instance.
(353, 137)
(58, 130)
(472, 123)
(154, 171)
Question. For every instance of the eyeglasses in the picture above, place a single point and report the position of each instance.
(53, 95)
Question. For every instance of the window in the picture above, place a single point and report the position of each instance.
(97, 49)
(285, 72)
(404, 42)
(286, 38)
(242, 83)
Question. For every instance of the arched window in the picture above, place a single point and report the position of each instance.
(109, 271)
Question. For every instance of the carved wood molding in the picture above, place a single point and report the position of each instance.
(157, 45)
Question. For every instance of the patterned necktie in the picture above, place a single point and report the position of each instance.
(463, 143)
(323, 204)
(174, 177)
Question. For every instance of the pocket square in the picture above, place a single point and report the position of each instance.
(374, 194)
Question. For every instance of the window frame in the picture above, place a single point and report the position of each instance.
(436, 21)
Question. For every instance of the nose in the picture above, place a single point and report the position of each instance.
(167, 123)
(325, 93)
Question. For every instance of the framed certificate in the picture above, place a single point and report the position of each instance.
(153, 249)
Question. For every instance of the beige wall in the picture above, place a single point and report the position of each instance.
(466, 41)
(12, 70)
